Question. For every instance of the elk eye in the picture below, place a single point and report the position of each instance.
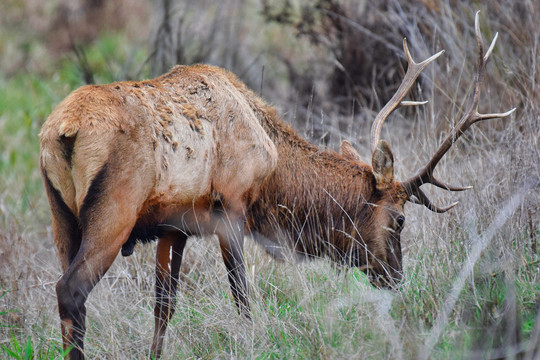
(400, 221)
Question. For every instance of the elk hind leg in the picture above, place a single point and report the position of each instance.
(67, 234)
(106, 226)
(97, 253)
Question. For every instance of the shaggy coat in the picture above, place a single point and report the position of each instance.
(196, 152)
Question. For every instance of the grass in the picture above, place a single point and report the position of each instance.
(472, 276)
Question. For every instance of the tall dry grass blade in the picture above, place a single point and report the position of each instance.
(480, 243)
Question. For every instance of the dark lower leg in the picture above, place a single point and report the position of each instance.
(72, 316)
(232, 245)
(168, 261)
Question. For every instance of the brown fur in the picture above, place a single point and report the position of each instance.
(324, 204)
(185, 149)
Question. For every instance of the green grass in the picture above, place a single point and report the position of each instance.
(26, 349)
(25, 101)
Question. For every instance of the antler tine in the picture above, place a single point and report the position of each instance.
(422, 199)
(413, 103)
(413, 71)
(471, 115)
(440, 184)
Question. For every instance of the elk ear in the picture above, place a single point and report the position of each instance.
(347, 151)
(382, 163)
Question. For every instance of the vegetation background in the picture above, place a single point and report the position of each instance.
(472, 276)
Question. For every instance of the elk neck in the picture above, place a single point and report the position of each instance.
(314, 197)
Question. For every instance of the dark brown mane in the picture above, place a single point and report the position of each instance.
(310, 193)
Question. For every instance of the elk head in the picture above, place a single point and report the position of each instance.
(392, 195)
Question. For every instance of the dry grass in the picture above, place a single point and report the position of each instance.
(471, 288)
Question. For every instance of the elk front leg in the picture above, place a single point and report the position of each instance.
(231, 241)
(169, 252)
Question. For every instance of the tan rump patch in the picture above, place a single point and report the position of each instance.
(68, 129)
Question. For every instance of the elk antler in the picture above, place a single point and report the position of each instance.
(471, 115)
(413, 71)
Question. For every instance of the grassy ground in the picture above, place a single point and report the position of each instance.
(472, 276)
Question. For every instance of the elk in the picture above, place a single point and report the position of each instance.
(195, 152)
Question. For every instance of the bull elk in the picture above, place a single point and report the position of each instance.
(195, 152)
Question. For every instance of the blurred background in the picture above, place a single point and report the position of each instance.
(328, 66)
